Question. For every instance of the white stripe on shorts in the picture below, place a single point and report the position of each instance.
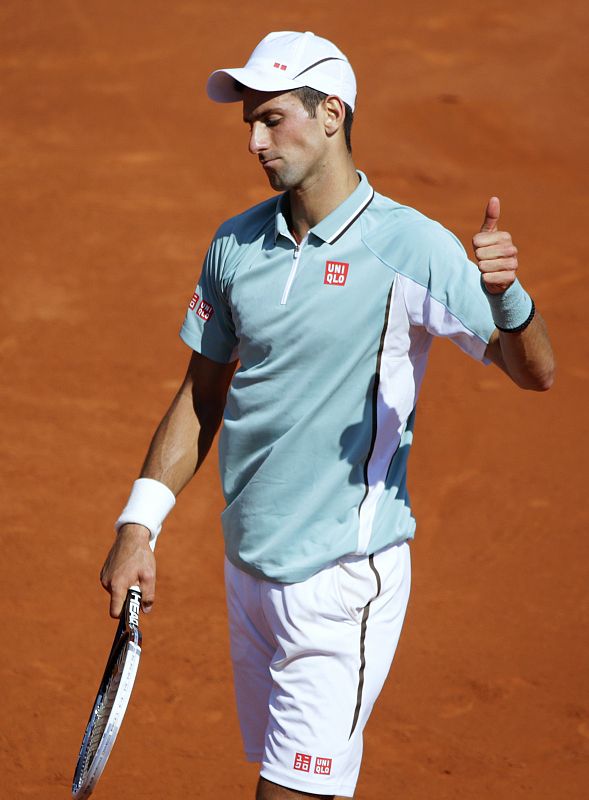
(309, 661)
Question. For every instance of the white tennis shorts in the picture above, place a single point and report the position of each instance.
(309, 661)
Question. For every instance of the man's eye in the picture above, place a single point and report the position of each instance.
(272, 122)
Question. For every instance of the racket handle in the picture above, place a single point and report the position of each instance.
(131, 608)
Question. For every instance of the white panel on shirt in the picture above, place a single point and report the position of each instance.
(414, 318)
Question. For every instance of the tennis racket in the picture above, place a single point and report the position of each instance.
(112, 698)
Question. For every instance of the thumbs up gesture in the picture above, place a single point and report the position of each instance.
(495, 252)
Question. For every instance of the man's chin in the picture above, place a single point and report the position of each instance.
(276, 181)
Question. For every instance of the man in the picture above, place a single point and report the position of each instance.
(329, 296)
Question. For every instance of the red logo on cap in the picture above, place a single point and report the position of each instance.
(322, 766)
(205, 310)
(279, 66)
(336, 273)
(302, 762)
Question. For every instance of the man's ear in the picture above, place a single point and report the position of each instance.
(334, 113)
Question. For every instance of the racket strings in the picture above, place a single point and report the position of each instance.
(103, 709)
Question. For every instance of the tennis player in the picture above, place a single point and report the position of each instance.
(310, 328)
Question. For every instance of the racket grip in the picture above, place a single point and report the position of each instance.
(132, 607)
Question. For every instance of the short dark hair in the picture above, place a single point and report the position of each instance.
(310, 98)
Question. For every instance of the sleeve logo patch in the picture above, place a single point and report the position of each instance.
(205, 310)
(193, 301)
(302, 762)
(322, 766)
(336, 273)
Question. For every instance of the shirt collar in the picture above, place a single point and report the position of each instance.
(334, 225)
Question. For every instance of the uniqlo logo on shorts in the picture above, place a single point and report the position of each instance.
(193, 302)
(302, 762)
(205, 310)
(336, 273)
(322, 766)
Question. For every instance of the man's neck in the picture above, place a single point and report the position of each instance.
(324, 192)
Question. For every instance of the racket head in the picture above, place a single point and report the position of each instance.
(111, 700)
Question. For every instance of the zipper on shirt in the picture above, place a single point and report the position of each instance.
(293, 271)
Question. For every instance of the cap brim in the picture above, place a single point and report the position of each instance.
(221, 84)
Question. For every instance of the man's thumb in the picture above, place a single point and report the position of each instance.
(491, 215)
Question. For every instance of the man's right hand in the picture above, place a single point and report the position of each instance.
(130, 562)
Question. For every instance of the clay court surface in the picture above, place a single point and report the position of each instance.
(116, 170)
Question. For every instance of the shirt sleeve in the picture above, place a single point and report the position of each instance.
(208, 326)
(448, 300)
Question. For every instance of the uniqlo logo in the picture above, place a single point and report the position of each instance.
(205, 310)
(277, 65)
(193, 302)
(322, 766)
(302, 762)
(336, 273)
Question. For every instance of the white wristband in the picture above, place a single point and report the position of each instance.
(149, 504)
(512, 308)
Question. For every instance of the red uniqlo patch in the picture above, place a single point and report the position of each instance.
(205, 310)
(193, 302)
(322, 766)
(302, 762)
(336, 273)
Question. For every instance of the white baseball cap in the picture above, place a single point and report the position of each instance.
(287, 60)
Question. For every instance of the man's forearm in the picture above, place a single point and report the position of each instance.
(185, 434)
(526, 357)
(179, 444)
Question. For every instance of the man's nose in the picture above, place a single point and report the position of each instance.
(258, 138)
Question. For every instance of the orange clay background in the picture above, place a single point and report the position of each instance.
(116, 170)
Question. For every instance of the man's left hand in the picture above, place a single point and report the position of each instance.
(495, 252)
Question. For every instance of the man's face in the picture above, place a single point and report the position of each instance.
(290, 145)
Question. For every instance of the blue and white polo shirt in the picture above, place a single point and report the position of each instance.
(332, 337)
